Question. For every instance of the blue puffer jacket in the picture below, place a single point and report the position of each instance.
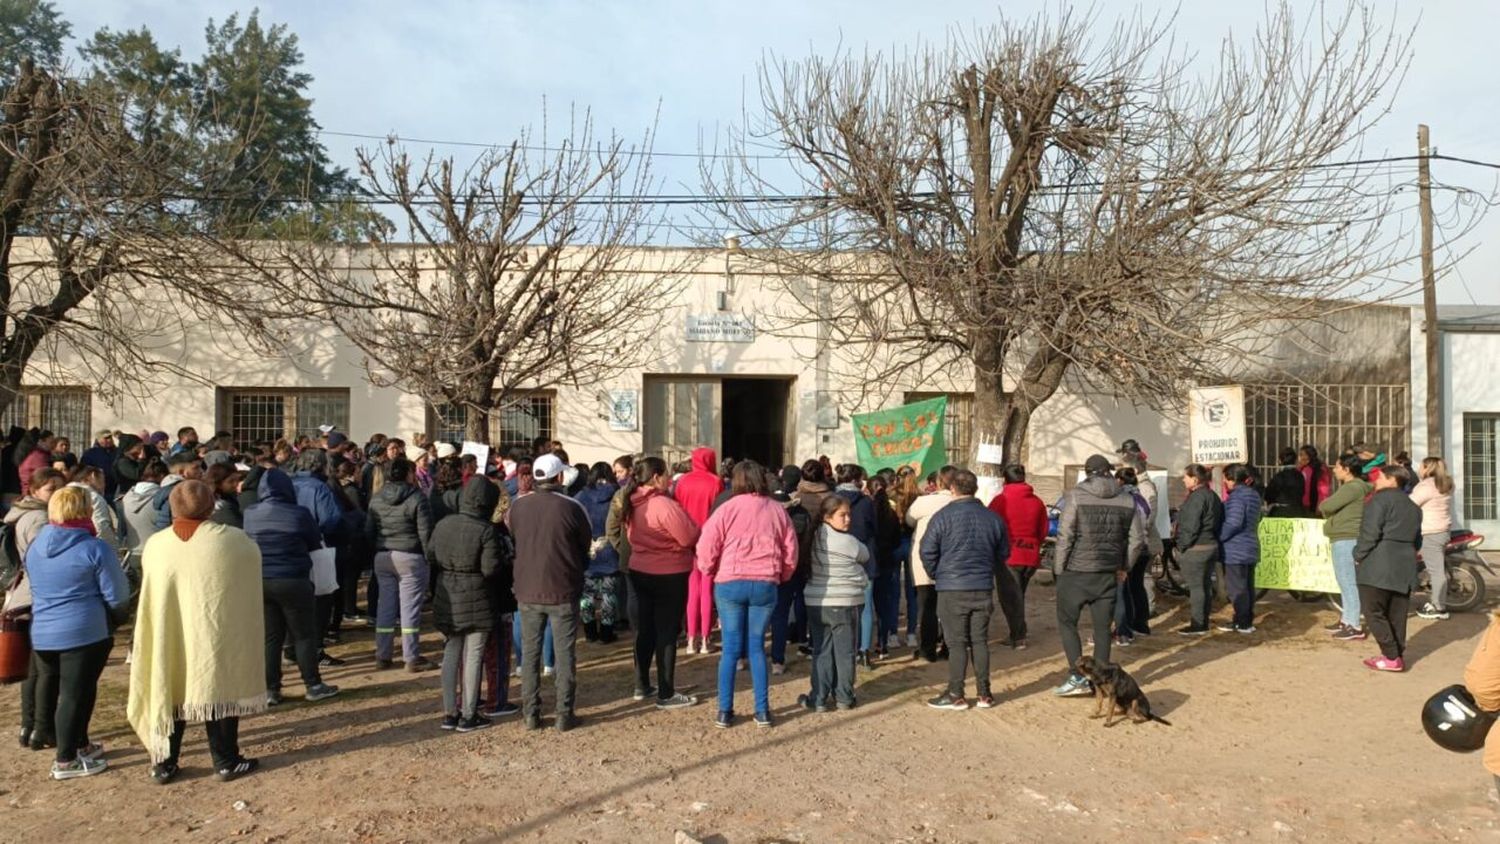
(965, 544)
(1240, 533)
(284, 530)
(603, 558)
(315, 496)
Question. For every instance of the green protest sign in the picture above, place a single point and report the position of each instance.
(1294, 554)
(909, 435)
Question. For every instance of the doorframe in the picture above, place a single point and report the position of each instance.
(789, 437)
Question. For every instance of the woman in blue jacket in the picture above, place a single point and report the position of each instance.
(600, 580)
(1240, 538)
(76, 582)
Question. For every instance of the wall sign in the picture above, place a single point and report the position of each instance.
(624, 410)
(720, 328)
(1216, 425)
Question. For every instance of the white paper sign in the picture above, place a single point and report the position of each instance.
(1216, 425)
(480, 451)
(992, 453)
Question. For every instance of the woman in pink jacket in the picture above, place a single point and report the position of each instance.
(748, 548)
(662, 536)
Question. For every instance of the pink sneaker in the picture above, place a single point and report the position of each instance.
(1380, 663)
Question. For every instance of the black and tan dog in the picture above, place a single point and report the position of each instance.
(1119, 692)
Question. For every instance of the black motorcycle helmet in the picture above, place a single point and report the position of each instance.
(1454, 721)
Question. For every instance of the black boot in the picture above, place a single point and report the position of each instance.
(591, 631)
(606, 633)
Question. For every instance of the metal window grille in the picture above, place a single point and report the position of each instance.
(65, 411)
(520, 423)
(958, 425)
(513, 426)
(268, 414)
(1330, 417)
(1480, 468)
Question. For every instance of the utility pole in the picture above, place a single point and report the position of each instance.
(1429, 299)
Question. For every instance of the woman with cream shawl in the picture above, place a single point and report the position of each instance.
(199, 637)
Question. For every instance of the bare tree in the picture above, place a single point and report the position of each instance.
(1042, 201)
(522, 274)
(101, 263)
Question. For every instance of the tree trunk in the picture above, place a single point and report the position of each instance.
(476, 424)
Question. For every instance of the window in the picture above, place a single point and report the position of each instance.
(64, 411)
(266, 414)
(958, 430)
(1480, 468)
(515, 425)
(1328, 416)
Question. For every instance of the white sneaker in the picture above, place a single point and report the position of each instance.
(777, 668)
(911, 640)
(547, 671)
(83, 766)
(1430, 612)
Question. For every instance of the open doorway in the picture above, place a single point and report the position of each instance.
(755, 419)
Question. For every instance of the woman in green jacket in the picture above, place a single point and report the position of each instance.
(1343, 512)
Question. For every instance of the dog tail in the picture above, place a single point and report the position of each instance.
(1160, 720)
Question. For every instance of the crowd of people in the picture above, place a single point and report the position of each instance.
(185, 540)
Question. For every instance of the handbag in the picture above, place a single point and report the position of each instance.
(325, 576)
(15, 648)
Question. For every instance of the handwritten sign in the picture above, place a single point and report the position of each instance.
(1216, 425)
(909, 435)
(1294, 554)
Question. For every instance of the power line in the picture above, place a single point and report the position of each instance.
(394, 136)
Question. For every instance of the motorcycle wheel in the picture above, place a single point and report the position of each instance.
(1465, 588)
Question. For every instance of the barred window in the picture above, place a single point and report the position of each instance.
(958, 433)
(265, 414)
(1480, 468)
(515, 425)
(1330, 417)
(65, 411)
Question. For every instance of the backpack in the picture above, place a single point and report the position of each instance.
(10, 557)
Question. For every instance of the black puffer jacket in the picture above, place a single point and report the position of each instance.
(1199, 520)
(399, 519)
(473, 559)
(1100, 529)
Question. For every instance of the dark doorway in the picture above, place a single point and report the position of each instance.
(754, 420)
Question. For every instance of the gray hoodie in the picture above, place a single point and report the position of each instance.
(140, 515)
(838, 576)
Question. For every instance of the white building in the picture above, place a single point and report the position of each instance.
(721, 379)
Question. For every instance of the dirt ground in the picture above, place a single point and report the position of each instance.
(1279, 736)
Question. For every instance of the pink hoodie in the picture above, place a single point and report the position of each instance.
(661, 534)
(749, 537)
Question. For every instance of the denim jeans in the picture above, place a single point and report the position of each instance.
(744, 614)
(787, 596)
(549, 653)
(1343, 572)
(867, 618)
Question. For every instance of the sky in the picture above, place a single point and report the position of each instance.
(480, 72)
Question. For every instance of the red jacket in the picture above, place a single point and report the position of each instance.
(697, 489)
(1025, 518)
(39, 458)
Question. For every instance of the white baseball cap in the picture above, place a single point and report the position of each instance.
(547, 467)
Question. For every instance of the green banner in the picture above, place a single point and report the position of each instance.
(1294, 554)
(909, 435)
